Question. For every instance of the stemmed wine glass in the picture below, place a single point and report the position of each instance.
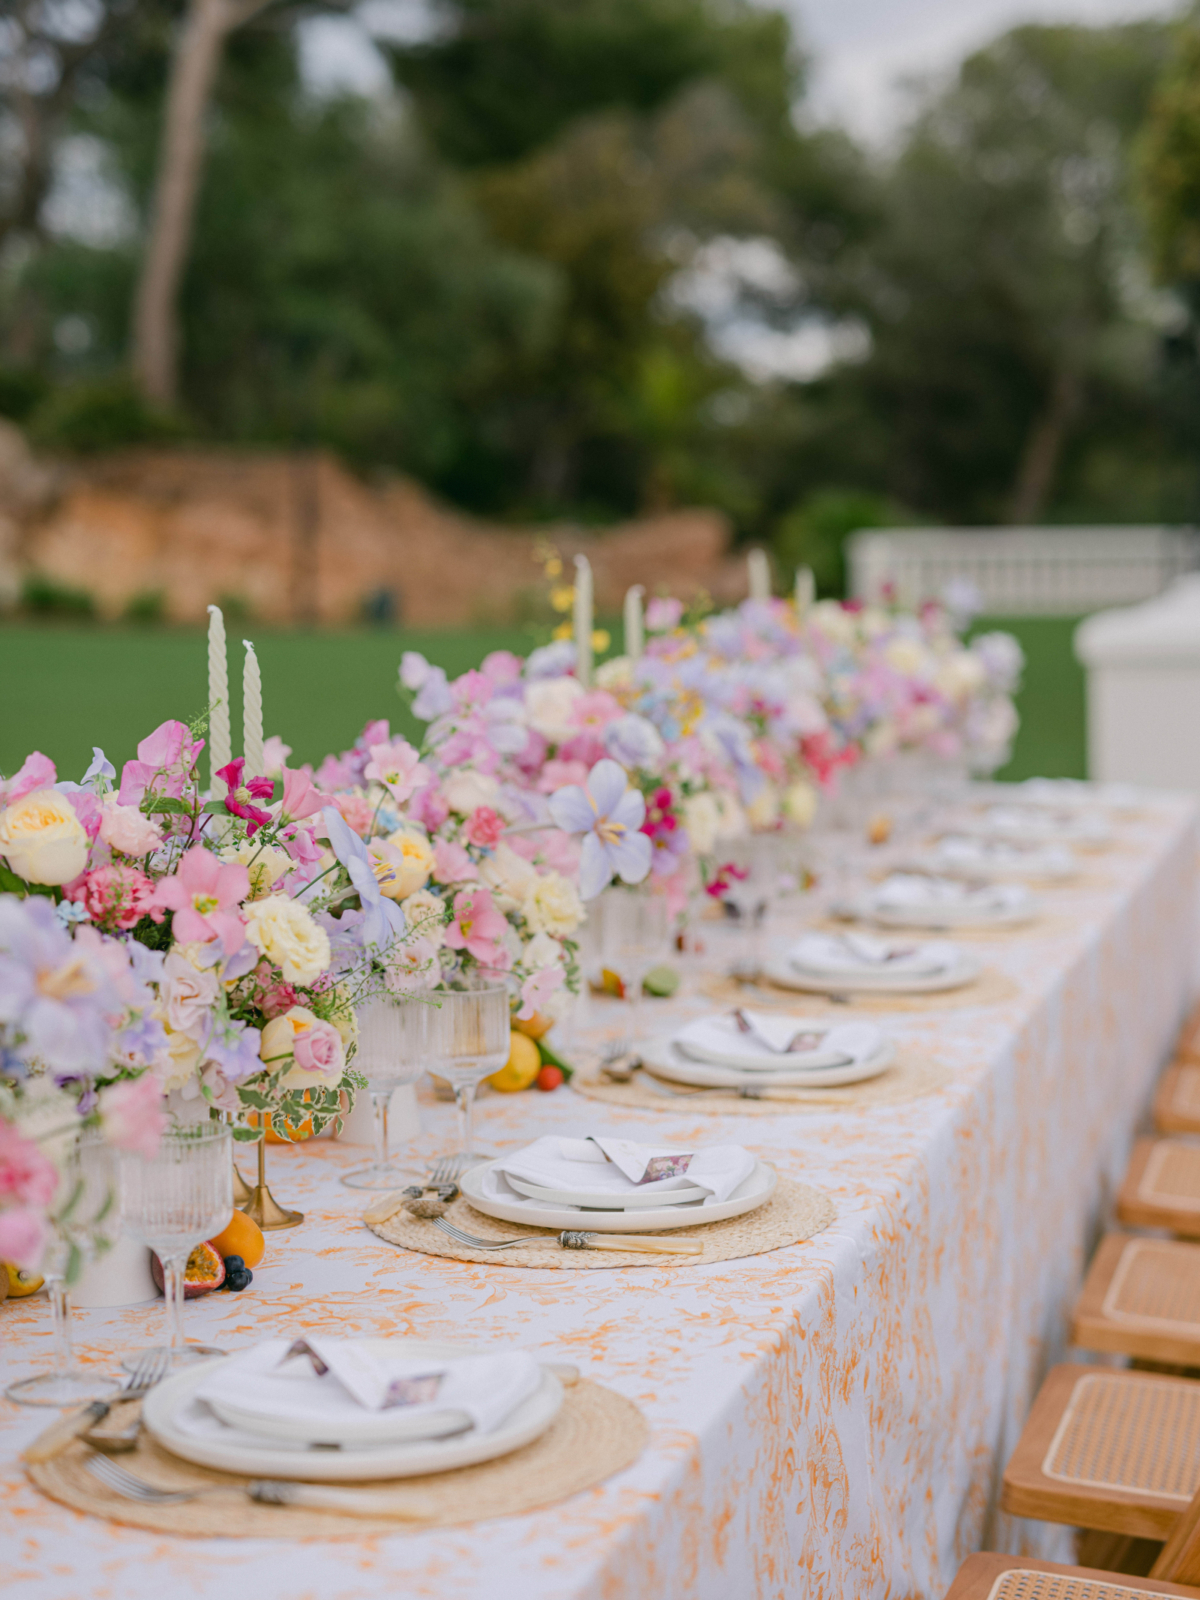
(469, 1040)
(393, 1045)
(752, 889)
(89, 1201)
(173, 1201)
(633, 938)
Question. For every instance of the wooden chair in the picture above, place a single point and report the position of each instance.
(1141, 1298)
(1162, 1187)
(1188, 1048)
(1113, 1450)
(988, 1577)
(1177, 1098)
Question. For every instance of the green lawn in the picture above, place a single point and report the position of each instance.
(67, 687)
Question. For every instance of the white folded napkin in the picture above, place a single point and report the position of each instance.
(277, 1379)
(774, 1042)
(961, 850)
(1042, 822)
(857, 954)
(603, 1165)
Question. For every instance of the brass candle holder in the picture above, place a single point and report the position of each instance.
(241, 1189)
(262, 1206)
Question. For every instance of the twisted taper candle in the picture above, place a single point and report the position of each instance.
(583, 621)
(220, 746)
(634, 635)
(252, 715)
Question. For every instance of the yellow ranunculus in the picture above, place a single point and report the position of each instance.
(402, 862)
(42, 839)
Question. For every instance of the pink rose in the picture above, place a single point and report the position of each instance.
(132, 1115)
(318, 1049)
(23, 1236)
(451, 863)
(357, 812)
(484, 827)
(26, 1175)
(125, 829)
(116, 896)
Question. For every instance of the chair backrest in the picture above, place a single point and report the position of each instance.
(1179, 1559)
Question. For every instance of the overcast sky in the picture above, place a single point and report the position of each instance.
(862, 49)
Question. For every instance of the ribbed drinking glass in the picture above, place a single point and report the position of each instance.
(469, 1040)
(393, 1046)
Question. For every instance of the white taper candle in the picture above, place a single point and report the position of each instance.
(758, 569)
(635, 638)
(806, 592)
(583, 621)
(220, 745)
(252, 715)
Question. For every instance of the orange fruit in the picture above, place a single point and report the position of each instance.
(241, 1236)
(534, 1027)
(299, 1131)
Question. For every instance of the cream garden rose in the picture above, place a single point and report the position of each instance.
(552, 905)
(549, 703)
(763, 810)
(465, 792)
(266, 864)
(800, 803)
(425, 917)
(284, 931)
(42, 839)
(508, 875)
(701, 822)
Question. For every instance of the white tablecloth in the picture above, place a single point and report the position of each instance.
(829, 1420)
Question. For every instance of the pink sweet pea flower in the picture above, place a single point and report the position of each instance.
(36, 772)
(537, 990)
(478, 928)
(167, 753)
(26, 1175)
(451, 863)
(275, 754)
(125, 829)
(241, 793)
(484, 827)
(595, 710)
(23, 1236)
(204, 893)
(557, 774)
(502, 666)
(87, 809)
(132, 1115)
(398, 767)
(300, 796)
(662, 614)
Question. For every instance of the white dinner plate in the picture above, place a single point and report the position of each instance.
(1030, 824)
(604, 1199)
(742, 1051)
(168, 1401)
(1011, 863)
(945, 914)
(787, 975)
(662, 1059)
(751, 1193)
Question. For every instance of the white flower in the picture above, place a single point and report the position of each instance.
(763, 810)
(800, 803)
(465, 792)
(286, 934)
(186, 995)
(701, 822)
(412, 964)
(552, 905)
(183, 1058)
(908, 657)
(732, 819)
(541, 951)
(508, 875)
(615, 674)
(961, 675)
(425, 917)
(548, 705)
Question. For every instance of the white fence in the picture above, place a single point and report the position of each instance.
(1023, 571)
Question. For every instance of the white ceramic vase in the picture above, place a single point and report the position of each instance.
(121, 1277)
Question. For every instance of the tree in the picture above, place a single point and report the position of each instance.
(1169, 165)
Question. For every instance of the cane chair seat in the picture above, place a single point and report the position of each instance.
(992, 1577)
(1162, 1187)
(1141, 1298)
(1113, 1450)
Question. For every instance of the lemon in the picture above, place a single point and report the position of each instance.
(20, 1282)
(522, 1067)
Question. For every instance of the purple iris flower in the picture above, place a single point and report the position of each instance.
(383, 921)
(55, 996)
(609, 814)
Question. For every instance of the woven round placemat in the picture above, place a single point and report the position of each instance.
(910, 1077)
(990, 988)
(794, 1213)
(1040, 926)
(596, 1434)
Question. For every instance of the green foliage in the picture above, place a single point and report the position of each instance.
(42, 596)
(146, 608)
(102, 414)
(1170, 161)
(21, 390)
(814, 533)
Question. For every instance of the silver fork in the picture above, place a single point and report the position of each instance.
(268, 1492)
(574, 1239)
(447, 1170)
(150, 1368)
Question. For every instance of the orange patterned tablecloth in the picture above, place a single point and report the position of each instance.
(830, 1420)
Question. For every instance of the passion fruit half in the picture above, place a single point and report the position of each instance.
(204, 1272)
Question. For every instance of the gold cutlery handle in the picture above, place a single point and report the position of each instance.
(59, 1434)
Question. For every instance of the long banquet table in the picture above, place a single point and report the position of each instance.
(828, 1420)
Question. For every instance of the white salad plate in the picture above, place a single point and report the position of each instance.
(604, 1199)
(971, 911)
(663, 1059)
(787, 974)
(751, 1193)
(165, 1407)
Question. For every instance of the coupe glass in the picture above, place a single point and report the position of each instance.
(633, 937)
(89, 1201)
(750, 896)
(173, 1201)
(469, 1040)
(393, 1044)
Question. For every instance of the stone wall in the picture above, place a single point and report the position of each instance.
(300, 539)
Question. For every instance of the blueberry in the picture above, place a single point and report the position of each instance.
(234, 1264)
(240, 1278)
